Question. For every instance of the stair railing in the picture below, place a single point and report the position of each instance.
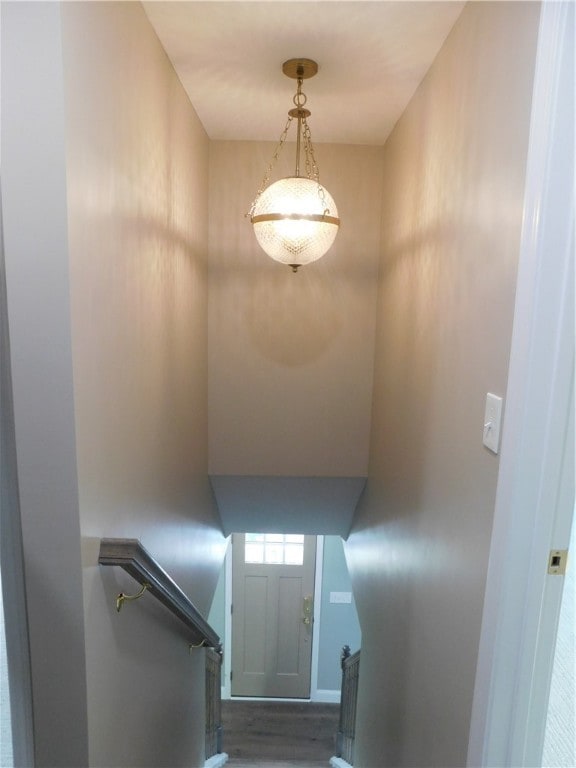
(213, 738)
(347, 725)
(130, 555)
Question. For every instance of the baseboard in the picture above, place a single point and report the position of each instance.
(339, 762)
(216, 761)
(326, 696)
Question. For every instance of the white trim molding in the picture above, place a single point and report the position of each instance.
(533, 512)
(226, 684)
(216, 761)
(339, 762)
(317, 616)
(326, 696)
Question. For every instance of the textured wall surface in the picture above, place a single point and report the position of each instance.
(291, 354)
(138, 223)
(452, 209)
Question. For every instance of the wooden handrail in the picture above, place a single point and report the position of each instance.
(130, 555)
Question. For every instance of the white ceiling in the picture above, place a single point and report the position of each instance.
(371, 56)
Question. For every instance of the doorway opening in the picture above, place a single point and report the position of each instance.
(273, 576)
(334, 619)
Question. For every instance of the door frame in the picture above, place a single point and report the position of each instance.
(288, 586)
(522, 601)
(315, 695)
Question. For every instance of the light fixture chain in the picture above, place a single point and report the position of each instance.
(307, 149)
(312, 170)
(311, 167)
(271, 165)
(300, 97)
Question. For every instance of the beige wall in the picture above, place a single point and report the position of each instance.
(138, 225)
(452, 208)
(291, 354)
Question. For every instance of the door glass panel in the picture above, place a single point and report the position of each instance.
(254, 553)
(254, 537)
(274, 548)
(274, 553)
(293, 554)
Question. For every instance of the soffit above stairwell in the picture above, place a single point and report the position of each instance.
(309, 505)
(372, 57)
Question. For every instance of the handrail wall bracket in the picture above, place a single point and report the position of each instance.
(130, 555)
(122, 597)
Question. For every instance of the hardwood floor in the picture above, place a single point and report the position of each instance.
(264, 734)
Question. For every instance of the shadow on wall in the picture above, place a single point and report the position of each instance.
(288, 317)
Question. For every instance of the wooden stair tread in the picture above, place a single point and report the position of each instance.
(279, 731)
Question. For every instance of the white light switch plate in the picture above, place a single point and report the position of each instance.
(340, 597)
(492, 419)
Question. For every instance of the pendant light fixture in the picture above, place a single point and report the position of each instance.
(295, 219)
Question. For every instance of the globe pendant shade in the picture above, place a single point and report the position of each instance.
(295, 220)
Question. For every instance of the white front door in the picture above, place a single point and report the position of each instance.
(272, 614)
